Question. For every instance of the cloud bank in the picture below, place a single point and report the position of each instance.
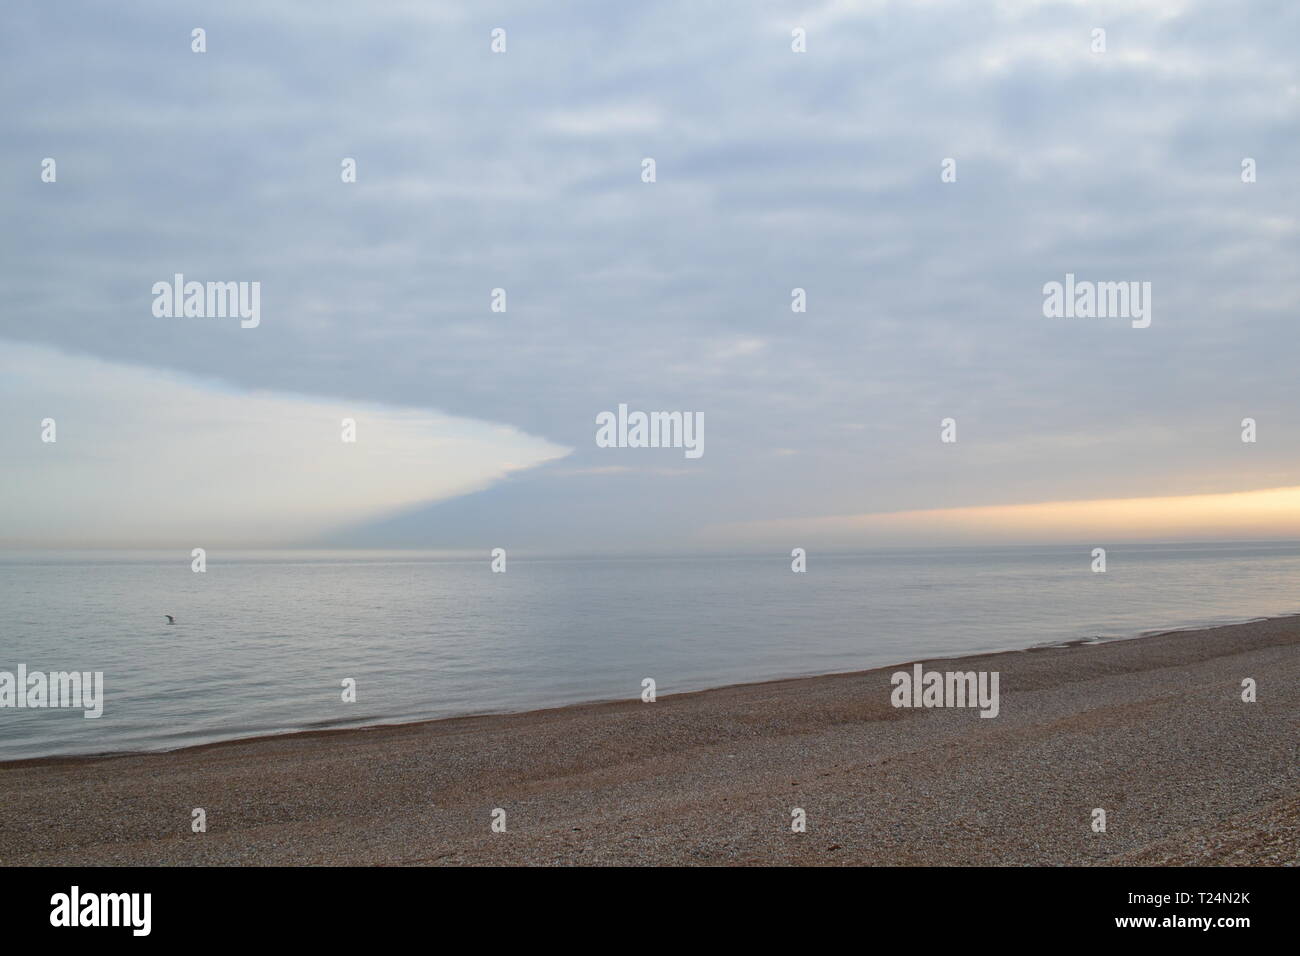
(139, 457)
(775, 171)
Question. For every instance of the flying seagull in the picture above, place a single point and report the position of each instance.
(170, 619)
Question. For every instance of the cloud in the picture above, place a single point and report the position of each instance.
(776, 170)
(142, 457)
(604, 120)
(1251, 515)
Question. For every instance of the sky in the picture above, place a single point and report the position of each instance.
(522, 170)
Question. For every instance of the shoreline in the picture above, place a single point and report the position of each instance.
(382, 723)
(1150, 728)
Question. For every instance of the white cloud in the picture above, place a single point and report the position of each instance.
(145, 457)
(602, 120)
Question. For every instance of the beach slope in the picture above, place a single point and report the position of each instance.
(1154, 731)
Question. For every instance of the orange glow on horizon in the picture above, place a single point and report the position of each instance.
(1266, 513)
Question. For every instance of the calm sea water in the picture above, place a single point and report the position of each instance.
(262, 641)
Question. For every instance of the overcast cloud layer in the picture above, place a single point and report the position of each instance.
(775, 170)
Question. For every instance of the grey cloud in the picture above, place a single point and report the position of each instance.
(775, 170)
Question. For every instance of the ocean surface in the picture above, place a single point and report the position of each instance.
(262, 641)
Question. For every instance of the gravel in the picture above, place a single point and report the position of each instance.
(1152, 730)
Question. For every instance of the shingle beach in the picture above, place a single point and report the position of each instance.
(1153, 731)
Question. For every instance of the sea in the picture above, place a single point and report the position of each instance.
(273, 642)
